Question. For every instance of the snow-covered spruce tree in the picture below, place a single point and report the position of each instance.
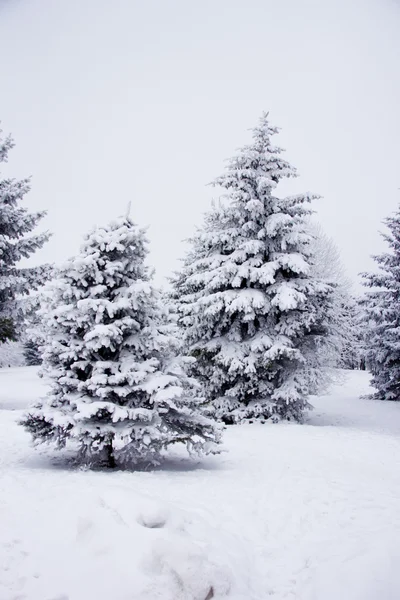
(342, 348)
(382, 317)
(117, 389)
(31, 350)
(16, 223)
(352, 350)
(252, 313)
(33, 337)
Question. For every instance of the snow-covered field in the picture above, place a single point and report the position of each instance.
(307, 512)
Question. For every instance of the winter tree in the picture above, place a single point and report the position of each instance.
(11, 354)
(343, 346)
(31, 351)
(253, 314)
(16, 223)
(116, 388)
(326, 260)
(32, 337)
(382, 316)
(352, 347)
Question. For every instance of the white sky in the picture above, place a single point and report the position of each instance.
(112, 101)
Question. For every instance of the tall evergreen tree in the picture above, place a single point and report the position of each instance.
(382, 316)
(116, 388)
(252, 313)
(15, 244)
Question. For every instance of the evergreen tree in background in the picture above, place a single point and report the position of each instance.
(31, 350)
(7, 330)
(33, 337)
(253, 315)
(382, 316)
(352, 350)
(343, 344)
(15, 244)
(117, 389)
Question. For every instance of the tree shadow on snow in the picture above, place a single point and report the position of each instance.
(64, 461)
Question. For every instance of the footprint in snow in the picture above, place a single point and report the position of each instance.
(152, 520)
(84, 528)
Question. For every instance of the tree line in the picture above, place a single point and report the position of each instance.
(255, 322)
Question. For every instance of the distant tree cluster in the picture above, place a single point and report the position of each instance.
(257, 319)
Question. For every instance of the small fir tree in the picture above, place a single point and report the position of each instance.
(253, 314)
(116, 388)
(381, 316)
(16, 223)
(33, 336)
(31, 350)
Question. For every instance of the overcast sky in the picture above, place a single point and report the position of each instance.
(111, 101)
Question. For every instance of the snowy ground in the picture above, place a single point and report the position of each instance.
(306, 512)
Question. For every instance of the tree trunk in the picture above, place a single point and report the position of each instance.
(109, 456)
